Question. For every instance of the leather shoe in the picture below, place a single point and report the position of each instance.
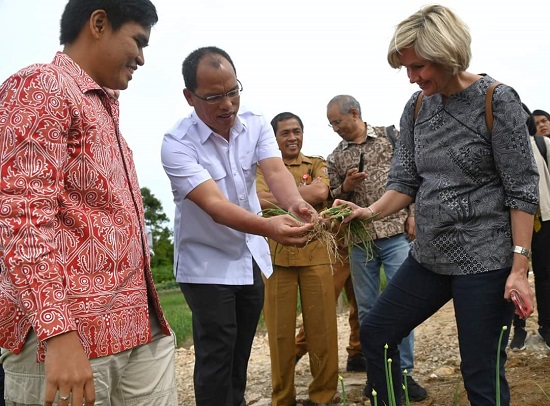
(356, 363)
(415, 391)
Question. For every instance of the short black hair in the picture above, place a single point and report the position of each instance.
(191, 63)
(78, 12)
(541, 113)
(283, 117)
(531, 126)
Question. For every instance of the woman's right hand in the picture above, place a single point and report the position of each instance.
(357, 211)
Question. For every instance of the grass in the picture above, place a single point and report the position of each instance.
(173, 303)
(178, 315)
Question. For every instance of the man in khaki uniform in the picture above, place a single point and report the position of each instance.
(342, 281)
(308, 268)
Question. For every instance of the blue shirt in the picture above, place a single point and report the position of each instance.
(205, 251)
(464, 179)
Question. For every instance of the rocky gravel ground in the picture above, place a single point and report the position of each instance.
(436, 368)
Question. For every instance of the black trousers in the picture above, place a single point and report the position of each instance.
(225, 318)
(541, 269)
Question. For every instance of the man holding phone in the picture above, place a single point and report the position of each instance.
(358, 169)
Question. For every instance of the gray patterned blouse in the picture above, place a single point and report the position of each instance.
(464, 179)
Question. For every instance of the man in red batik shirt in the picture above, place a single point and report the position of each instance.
(75, 280)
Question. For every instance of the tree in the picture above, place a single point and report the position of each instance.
(154, 213)
(155, 219)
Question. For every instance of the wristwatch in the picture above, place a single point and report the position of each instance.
(521, 250)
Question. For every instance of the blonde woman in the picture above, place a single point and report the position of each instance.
(475, 191)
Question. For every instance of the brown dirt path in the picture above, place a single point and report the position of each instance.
(436, 368)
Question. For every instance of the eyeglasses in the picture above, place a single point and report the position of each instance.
(336, 123)
(217, 98)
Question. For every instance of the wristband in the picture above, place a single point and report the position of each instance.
(371, 211)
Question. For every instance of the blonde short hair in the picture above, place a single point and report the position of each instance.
(437, 35)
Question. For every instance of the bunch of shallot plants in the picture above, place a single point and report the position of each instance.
(356, 232)
(319, 233)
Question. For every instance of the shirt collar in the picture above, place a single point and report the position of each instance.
(239, 126)
(370, 133)
(301, 158)
(81, 78)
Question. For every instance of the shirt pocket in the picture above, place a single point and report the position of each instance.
(217, 172)
(248, 161)
(248, 164)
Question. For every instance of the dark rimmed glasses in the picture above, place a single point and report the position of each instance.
(217, 98)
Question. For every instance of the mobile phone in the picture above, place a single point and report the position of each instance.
(521, 308)
(361, 162)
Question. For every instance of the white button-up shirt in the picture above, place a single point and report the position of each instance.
(544, 177)
(205, 251)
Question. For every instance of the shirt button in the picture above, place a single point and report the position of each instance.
(241, 197)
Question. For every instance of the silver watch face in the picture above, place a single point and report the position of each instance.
(521, 250)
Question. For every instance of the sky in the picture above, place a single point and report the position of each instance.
(290, 55)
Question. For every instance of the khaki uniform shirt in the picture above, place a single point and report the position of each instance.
(304, 169)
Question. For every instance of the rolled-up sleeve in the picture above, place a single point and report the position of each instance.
(513, 156)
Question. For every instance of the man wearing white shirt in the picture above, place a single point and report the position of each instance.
(211, 157)
(540, 255)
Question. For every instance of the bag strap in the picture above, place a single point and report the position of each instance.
(391, 135)
(541, 145)
(488, 105)
(418, 104)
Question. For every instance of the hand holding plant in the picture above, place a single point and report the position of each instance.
(288, 230)
(317, 229)
(354, 226)
(303, 211)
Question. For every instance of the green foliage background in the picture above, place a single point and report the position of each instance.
(173, 303)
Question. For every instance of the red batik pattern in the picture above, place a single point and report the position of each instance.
(72, 235)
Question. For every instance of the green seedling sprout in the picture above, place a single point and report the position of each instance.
(344, 395)
(499, 346)
(405, 387)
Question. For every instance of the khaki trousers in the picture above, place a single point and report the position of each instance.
(319, 316)
(342, 280)
(142, 376)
